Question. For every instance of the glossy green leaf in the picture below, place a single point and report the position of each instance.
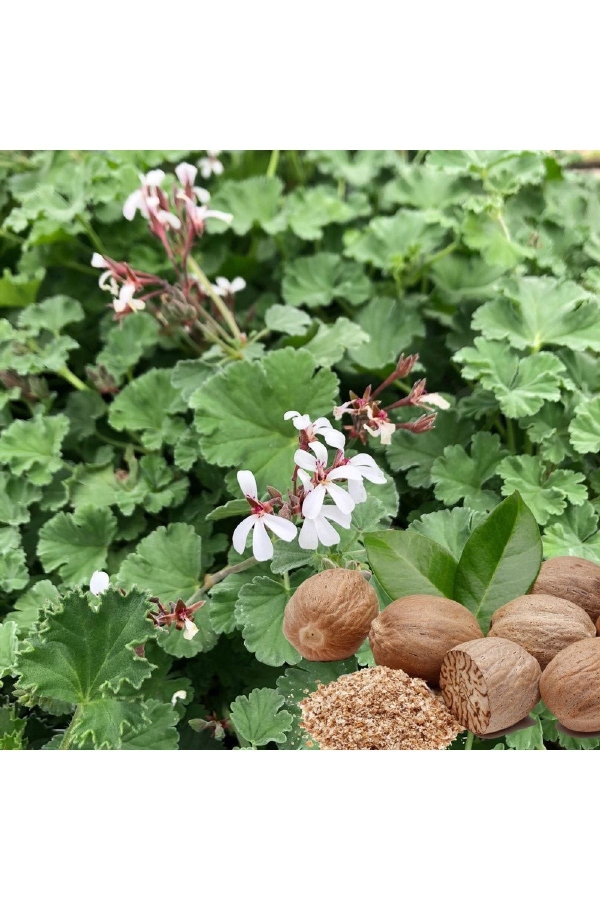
(405, 563)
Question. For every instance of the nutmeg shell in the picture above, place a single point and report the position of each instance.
(542, 624)
(570, 686)
(414, 633)
(329, 615)
(571, 578)
(490, 684)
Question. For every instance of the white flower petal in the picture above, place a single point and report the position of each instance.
(99, 583)
(320, 451)
(434, 400)
(154, 178)
(320, 423)
(283, 528)
(357, 491)
(262, 548)
(340, 497)
(240, 535)
(168, 218)
(345, 472)
(363, 459)
(327, 534)
(305, 479)
(308, 538)
(290, 414)
(336, 515)
(334, 438)
(303, 459)
(202, 194)
(137, 304)
(126, 293)
(178, 695)
(186, 173)
(132, 204)
(98, 261)
(217, 166)
(190, 630)
(247, 483)
(119, 306)
(215, 214)
(311, 507)
(238, 284)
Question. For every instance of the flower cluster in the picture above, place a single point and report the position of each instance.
(316, 499)
(369, 417)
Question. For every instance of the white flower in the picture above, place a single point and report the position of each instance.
(433, 400)
(99, 583)
(186, 174)
(338, 411)
(313, 502)
(126, 301)
(225, 288)
(262, 548)
(198, 214)
(319, 528)
(383, 429)
(190, 630)
(168, 218)
(178, 695)
(366, 467)
(320, 426)
(99, 262)
(139, 199)
(210, 165)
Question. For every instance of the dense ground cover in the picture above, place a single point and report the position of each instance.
(128, 408)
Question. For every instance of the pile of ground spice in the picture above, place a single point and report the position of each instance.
(378, 709)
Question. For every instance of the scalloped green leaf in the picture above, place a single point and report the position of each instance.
(167, 563)
(451, 528)
(320, 279)
(254, 201)
(13, 569)
(584, 429)
(259, 613)
(34, 446)
(415, 454)
(458, 476)
(27, 608)
(239, 412)
(575, 533)
(259, 717)
(392, 329)
(148, 405)
(388, 241)
(77, 543)
(127, 342)
(60, 662)
(545, 496)
(52, 314)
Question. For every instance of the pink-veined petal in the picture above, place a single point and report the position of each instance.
(186, 173)
(240, 535)
(308, 538)
(320, 451)
(321, 422)
(341, 498)
(262, 548)
(313, 502)
(283, 528)
(303, 459)
(247, 483)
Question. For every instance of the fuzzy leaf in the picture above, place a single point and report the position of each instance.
(27, 608)
(545, 497)
(127, 342)
(239, 413)
(16, 496)
(254, 201)
(539, 311)
(287, 321)
(416, 453)
(487, 234)
(388, 241)
(158, 733)
(52, 314)
(166, 562)
(148, 405)
(458, 476)
(259, 613)
(520, 385)
(13, 570)
(320, 279)
(331, 342)
(392, 329)
(33, 446)
(450, 528)
(60, 661)
(405, 563)
(77, 543)
(8, 647)
(584, 429)
(574, 534)
(500, 561)
(259, 717)
(308, 211)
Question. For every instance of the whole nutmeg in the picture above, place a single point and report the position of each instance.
(490, 684)
(414, 634)
(329, 615)
(542, 624)
(570, 686)
(571, 578)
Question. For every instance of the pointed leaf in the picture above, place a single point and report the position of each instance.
(405, 563)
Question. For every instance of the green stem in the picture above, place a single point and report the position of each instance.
(286, 582)
(420, 156)
(122, 444)
(273, 162)
(211, 580)
(510, 434)
(69, 376)
(95, 240)
(469, 741)
(218, 301)
(67, 738)
(439, 255)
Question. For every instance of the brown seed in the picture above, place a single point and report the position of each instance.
(415, 633)
(542, 624)
(570, 686)
(329, 615)
(490, 684)
(572, 578)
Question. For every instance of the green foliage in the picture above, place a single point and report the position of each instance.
(121, 435)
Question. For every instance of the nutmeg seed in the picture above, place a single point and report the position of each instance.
(571, 578)
(542, 624)
(570, 686)
(490, 684)
(329, 615)
(414, 633)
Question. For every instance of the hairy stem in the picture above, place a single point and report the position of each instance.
(67, 738)
(211, 580)
(218, 301)
(69, 376)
